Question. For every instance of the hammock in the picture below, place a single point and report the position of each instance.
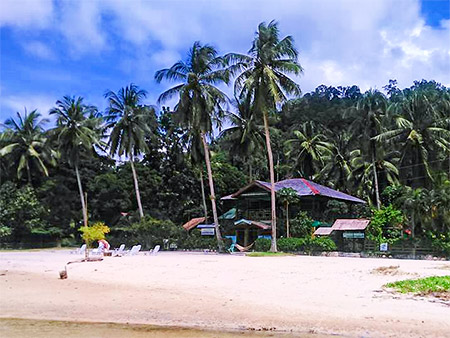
(243, 248)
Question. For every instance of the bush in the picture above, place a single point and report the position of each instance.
(291, 244)
(301, 225)
(262, 244)
(386, 225)
(441, 244)
(320, 244)
(150, 232)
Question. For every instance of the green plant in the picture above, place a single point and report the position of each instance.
(93, 233)
(150, 231)
(301, 225)
(262, 245)
(291, 244)
(422, 285)
(441, 243)
(386, 225)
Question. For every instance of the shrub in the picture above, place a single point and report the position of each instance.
(441, 244)
(291, 244)
(301, 225)
(320, 244)
(262, 244)
(386, 225)
(93, 233)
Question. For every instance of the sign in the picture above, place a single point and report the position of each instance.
(353, 235)
(207, 232)
(383, 247)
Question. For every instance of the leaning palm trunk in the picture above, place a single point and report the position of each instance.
(273, 246)
(213, 195)
(375, 180)
(205, 210)
(83, 203)
(136, 187)
(287, 220)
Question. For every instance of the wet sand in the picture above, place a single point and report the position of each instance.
(298, 294)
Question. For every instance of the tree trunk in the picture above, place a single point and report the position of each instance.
(136, 187)
(205, 209)
(83, 202)
(375, 179)
(273, 246)
(287, 220)
(250, 170)
(29, 174)
(213, 195)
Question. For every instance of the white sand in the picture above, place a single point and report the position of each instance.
(298, 293)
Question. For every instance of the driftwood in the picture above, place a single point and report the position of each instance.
(63, 273)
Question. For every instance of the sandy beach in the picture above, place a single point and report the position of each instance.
(294, 294)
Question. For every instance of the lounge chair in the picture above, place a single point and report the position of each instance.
(120, 251)
(155, 250)
(80, 250)
(99, 250)
(134, 250)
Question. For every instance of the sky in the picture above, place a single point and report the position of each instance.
(52, 48)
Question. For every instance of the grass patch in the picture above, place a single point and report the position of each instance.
(268, 254)
(422, 285)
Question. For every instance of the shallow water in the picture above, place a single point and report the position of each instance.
(24, 328)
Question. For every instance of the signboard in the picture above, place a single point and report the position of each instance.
(353, 235)
(383, 247)
(207, 232)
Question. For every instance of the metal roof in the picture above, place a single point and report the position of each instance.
(323, 231)
(350, 224)
(303, 187)
(193, 223)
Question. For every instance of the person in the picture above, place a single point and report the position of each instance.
(103, 245)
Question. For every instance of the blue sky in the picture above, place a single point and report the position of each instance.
(55, 48)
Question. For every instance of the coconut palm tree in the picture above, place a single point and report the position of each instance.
(130, 121)
(309, 149)
(245, 136)
(263, 78)
(200, 102)
(288, 196)
(370, 109)
(421, 126)
(26, 145)
(77, 131)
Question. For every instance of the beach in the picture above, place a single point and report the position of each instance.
(295, 295)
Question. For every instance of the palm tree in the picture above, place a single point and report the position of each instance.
(309, 149)
(77, 131)
(200, 101)
(26, 144)
(263, 78)
(362, 173)
(130, 122)
(421, 125)
(337, 166)
(370, 108)
(245, 135)
(288, 196)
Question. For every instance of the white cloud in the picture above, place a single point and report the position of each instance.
(10, 104)
(39, 49)
(26, 13)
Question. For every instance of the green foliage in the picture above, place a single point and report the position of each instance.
(267, 254)
(93, 233)
(441, 243)
(149, 232)
(22, 214)
(291, 244)
(262, 245)
(301, 225)
(422, 285)
(336, 209)
(307, 244)
(386, 225)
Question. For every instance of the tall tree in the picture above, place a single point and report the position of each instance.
(77, 131)
(200, 101)
(308, 148)
(370, 108)
(263, 78)
(130, 121)
(26, 146)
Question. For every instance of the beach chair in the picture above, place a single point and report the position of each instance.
(80, 250)
(99, 250)
(120, 251)
(155, 250)
(134, 250)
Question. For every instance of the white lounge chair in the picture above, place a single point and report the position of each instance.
(120, 251)
(99, 250)
(134, 250)
(80, 250)
(155, 250)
